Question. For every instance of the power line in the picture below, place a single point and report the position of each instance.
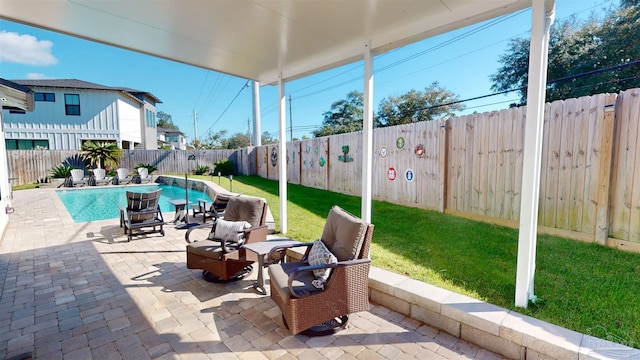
(433, 48)
(565, 78)
(211, 99)
(201, 89)
(246, 85)
(401, 61)
(451, 41)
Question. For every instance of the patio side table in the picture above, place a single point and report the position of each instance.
(262, 249)
(181, 209)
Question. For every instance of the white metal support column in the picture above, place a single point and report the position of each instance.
(367, 135)
(5, 183)
(542, 12)
(257, 133)
(282, 155)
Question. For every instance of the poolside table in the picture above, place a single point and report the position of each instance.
(182, 209)
(262, 249)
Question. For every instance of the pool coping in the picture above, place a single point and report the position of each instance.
(502, 331)
(211, 189)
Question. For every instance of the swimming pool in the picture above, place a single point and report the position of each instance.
(101, 203)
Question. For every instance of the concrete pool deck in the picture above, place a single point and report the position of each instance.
(81, 291)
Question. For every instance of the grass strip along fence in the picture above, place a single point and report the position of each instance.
(585, 287)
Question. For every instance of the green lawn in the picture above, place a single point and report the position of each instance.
(585, 287)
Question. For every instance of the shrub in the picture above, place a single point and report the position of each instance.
(101, 153)
(223, 166)
(201, 169)
(62, 171)
(111, 171)
(75, 162)
(149, 167)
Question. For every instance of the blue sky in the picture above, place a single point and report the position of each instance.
(461, 61)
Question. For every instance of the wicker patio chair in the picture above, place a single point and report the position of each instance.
(219, 253)
(142, 211)
(312, 303)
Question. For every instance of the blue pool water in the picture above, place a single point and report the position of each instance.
(101, 203)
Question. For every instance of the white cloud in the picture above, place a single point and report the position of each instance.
(25, 49)
(37, 76)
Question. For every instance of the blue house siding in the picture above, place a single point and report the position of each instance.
(95, 112)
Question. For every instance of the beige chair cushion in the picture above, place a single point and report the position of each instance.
(206, 248)
(343, 234)
(244, 208)
(279, 277)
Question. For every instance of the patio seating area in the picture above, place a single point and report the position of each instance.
(81, 291)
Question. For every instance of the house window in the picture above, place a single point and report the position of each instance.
(72, 104)
(17, 112)
(39, 96)
(150, 118)
(26, 144)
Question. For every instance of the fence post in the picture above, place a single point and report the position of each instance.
(300, 163)
(443, 159)
(605, 166)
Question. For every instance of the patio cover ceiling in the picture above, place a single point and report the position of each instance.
(256, 39)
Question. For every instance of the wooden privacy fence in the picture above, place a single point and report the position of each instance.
(29, 166)
(176, 161)
(472, 166)
(469, 165)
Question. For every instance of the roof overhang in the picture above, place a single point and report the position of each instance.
(15, 96)
(257, 39)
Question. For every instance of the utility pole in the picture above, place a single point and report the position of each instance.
(290, 120)
(249, 130)
(195, 126)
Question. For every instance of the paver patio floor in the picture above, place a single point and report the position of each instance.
(81, 291)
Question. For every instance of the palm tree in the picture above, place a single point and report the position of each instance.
(101, 153)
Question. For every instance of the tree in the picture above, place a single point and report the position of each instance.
(584, 59)
(197, 145)
(213, 141)
(238, 141)
(101, 154)
(345, 116)
(165, 121)
(435, 102)
(267, 138)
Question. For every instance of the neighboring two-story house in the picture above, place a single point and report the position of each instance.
(70, 112)
(172, 138)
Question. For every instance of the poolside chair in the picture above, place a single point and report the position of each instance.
(142, 211)
(100, 177)
(123, 176)
(144, 175)
(220, 254)
(78, 178)
(316, 294)
(214, 210)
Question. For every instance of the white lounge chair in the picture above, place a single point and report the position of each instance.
(123, 176)
(144, 175)
(100, 177)
(78, 178)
